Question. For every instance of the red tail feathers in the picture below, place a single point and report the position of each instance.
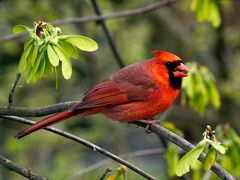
(46, 122)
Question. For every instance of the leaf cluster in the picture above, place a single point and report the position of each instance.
(172, 151)
(199, 89)
(207, 10)
(46, 48)
(230, 161)
(190, 159)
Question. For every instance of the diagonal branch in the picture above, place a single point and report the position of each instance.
(85, 143)
(133, 12)
(19, 170)
(108, 35)
(184, 144)
(80, 20)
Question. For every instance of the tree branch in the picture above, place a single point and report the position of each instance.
(105, 173)
(80, 20)
(36, 112)
(184, 144)
(154, 128)
(108, 35)
(11, 93)
(128, 155)
(8, 164)
(85, 143)
(146, 9)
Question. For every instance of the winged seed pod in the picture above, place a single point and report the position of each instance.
(47, 49)
(199, 89)
(189, 160)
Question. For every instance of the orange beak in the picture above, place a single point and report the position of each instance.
(181, 71)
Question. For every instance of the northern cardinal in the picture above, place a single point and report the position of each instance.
(138, 91)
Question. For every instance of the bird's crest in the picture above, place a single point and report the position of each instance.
(165, 56)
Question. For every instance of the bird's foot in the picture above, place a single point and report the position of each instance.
(149, 123)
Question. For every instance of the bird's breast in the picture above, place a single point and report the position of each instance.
(159, 101)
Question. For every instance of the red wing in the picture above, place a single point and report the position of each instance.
(105, 93)
(110, 93)
(128, 85)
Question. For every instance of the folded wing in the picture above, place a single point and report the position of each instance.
(114, 92)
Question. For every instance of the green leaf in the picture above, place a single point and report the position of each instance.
(34, 69)
(66, 63)
(215, 17)
(20, 28)
(191, 84)
(196, 171)
(28, 42)
(215, 97)
(69, 49)
(235, 137)
(66, 68)
(34, 53)
(211, 87)
(23, 60)
(172, 158)
(48, 65)
(52, 56)
(189, 159)
(62, 55)
(207, 10)
(195, 4)
(200, 13)
(210, 159)
(218, 146)
(81, 42)
(39, 74)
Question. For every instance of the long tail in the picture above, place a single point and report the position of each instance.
(46, 122)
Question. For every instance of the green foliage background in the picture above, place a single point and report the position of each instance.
(172, 29)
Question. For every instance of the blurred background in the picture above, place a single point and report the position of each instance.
(172, 28)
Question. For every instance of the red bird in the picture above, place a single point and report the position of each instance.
(138, 91)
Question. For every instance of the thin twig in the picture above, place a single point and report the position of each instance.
(19, 170)
(108, 170)
(80, 20)
(128, 155)
(12, 37)
(86, 143)
(108, 35)
(184, 144)
(133, 12)
(11, 93)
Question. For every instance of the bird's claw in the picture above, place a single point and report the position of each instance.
(147, 130)
(149, 122)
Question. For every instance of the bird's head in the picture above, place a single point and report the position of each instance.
(174, 65)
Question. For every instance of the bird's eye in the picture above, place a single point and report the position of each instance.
(168, 64)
